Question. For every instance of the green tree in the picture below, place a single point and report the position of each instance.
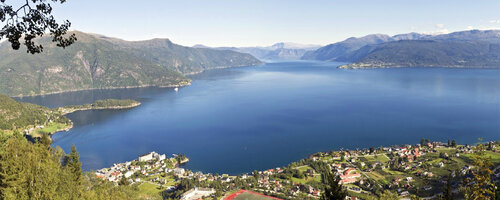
(333, 189)
(74, 167)
(31, 20)
(388, 195)
(45, 140)
(480, 187)
(123, 181)
(72, 162)
(447, 190)
(34, 171)
(453, 143)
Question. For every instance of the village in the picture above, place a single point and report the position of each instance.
(419, 170)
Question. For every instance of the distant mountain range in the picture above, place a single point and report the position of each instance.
(278, 51)
(472, 49)
(97, 61)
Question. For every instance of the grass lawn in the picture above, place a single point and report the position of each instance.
(449, 151)
(377, 177)
(49, 129)
(250, 196)
(303, 168)
(148, 190)
(393, 172)
(305, 180)
(298, 180)
(495, 156)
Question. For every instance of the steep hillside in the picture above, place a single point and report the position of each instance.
(347, 50)
(336, 50)
(18, 116)
(427, 53)
(96, 61)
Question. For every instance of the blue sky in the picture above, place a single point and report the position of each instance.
(264, 22)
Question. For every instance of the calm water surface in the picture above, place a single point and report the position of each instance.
(241, 119)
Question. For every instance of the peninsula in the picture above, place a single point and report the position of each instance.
(100, 105)
(35, 121)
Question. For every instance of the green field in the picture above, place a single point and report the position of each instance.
(149, 191)
(50, 128)
(250, 196)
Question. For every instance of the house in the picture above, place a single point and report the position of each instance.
(179, 171)
(151, 156)
(128, 174)
(146, 157)
(347, 180)
(197, 193)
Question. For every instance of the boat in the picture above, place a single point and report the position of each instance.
(176, 89)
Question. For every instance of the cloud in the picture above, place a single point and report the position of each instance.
(437, 32)
(439, 25)
(495, 21)
(483, 28)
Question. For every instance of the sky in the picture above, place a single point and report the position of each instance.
(265, 22)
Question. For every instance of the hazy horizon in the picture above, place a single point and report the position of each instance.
(263, 23)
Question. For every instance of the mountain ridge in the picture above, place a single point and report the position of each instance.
(101, 62)
(277, 51)
(365, 52)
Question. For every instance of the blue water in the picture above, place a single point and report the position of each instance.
(237, 120)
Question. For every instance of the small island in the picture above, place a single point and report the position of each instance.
(101, 105)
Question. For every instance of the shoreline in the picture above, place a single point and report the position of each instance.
(141, 86)
(103, 108)
(107, 88)
(90, 108)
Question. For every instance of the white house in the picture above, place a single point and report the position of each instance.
(146, 157)
(151, 156)
(128, 174)
(179, 171)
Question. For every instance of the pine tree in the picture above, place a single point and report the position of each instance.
(45, 140)
(447, 191)
(74, 167)
(333, 190)
(72, 162)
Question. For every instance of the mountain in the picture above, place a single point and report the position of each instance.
(278, 51)
(413, 49)
(292, 45)
(97, 61)
(335, 50)
(427, 53)
(491, 36)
